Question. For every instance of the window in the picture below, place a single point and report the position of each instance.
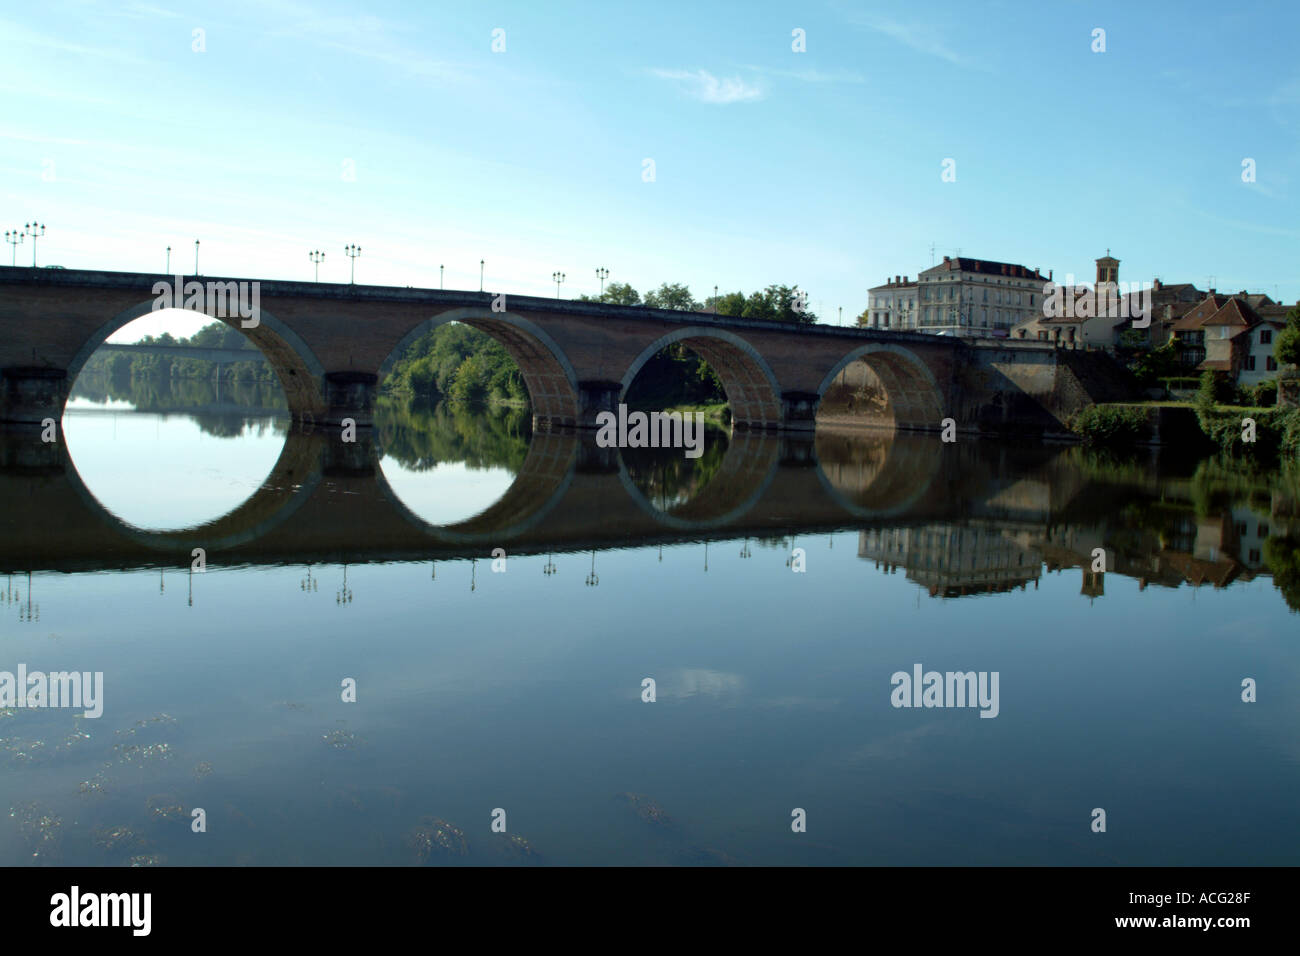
(1250, 363)
(1241, 529)
(1254, 556)
(986, 295)
(1223, 331)
(1270, 364)
(1265, 336)
(1261, 531)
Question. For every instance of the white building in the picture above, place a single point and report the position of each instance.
(959, 296)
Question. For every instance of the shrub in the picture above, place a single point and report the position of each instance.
(1112, 425)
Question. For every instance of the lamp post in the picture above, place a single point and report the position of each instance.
(841, 319)
(167, 271)
(480, 275)
(196, 257)
(602, 274)
(14, 239)
(440, 268)
(35, 231)
(352, 252)
(557, 278)
(317, 257)
(715, 300)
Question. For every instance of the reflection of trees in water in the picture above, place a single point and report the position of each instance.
(1282, 554)
(150, 393)
(217, 409)
(667, 477)
(421, 436)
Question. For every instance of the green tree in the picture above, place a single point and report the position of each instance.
(1287, 347)
(616, 293)
(672, 295)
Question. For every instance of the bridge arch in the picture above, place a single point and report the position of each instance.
(549, 377)
(914, 398)
(751, 387)
(300, 373)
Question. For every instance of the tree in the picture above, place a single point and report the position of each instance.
(672, 295)
(730, 303)
(616, 293)
(1287, 347)
(779, 303)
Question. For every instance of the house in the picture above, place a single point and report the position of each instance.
(1227, 334)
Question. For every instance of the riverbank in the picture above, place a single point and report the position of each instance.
(1262, 433)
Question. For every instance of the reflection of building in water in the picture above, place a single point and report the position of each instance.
(951, 560)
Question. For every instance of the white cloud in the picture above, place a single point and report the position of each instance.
(707, 88)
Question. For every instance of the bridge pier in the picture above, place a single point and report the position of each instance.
(350, 395)
(799, 411)
(594, 397)
(28, 396)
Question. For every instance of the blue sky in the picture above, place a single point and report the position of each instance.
(820, 168)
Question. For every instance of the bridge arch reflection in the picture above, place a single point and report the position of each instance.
(292, 481)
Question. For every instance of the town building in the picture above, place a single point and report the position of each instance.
(1081, 316)
(959, 296)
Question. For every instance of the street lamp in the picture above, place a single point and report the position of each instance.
(602, 274)
(168, 270)
(715, 300)
(440, 277)
(196, 257)
(480, 275)
(317, 257)
(35, 231)
(14, 239)
(352, 252)
(557, 278)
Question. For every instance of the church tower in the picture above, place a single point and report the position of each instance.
(1107, 269)
(1107, 286)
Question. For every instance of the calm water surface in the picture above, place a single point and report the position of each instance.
(521, 688)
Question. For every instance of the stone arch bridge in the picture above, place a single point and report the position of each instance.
(331, 345)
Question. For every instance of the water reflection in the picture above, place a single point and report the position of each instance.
(520, 684)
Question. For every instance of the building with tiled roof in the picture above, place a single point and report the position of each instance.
(1227, 334)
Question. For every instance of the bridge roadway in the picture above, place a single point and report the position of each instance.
(331, 345)
(327, 501)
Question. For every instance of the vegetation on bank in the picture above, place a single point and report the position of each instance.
(1220, 413)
